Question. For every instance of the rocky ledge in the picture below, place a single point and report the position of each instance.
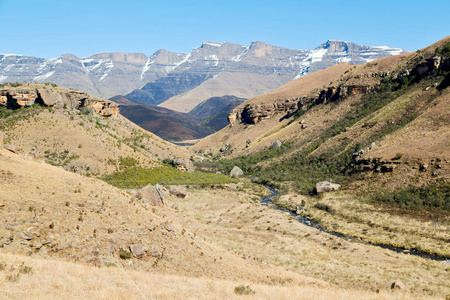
(16, 97)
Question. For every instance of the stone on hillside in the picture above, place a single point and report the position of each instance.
(398, 285)
(184, 164)
(326, 186)
(178, 191)
(225, 147)
(277, 144)
(236, 172)
(168, 226)
(11, 148)
(152, 195)
(137, 250)
(304, 125)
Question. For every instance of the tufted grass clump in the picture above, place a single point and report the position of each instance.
(244, 290)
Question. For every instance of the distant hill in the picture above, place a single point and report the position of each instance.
(167, 124)
(214, 111)
(213, 105)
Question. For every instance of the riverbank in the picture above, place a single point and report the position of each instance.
(236, 221)
(344, 215)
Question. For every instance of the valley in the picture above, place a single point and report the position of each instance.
(358, 152)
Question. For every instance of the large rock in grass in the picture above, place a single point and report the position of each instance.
(178, 191)
(184, 164)
(152, 195)
(326, 186)
(137, 250)
(277, 144)
(236, 172)
(398, 285)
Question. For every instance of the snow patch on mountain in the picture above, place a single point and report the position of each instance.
(43, 77)
(147, 66)
(391, 51)
(213, 44)
(239, 57)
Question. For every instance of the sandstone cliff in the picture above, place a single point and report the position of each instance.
(29, 94)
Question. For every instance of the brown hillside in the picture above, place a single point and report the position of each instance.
(48, 212)
(81, 140)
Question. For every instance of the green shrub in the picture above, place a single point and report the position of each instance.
(138, 177)
(125, 254)
(416, 197)
(244, 290)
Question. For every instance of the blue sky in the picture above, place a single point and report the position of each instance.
(50, 28)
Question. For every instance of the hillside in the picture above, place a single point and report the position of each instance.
(65, 216)
(323, 100)
(77, 132)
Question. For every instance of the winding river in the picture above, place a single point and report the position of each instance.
(304, 220)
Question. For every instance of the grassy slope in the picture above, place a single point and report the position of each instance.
(89, 139)
(89, 221)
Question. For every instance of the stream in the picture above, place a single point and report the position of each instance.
(304, 220)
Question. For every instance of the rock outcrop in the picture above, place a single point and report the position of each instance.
(152, 195)
(16, 97)
(254, 113)
(184, 164)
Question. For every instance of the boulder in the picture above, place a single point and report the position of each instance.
(236, 172)
(137, 250)
(304, 125)
(277, 144)
(225, 147)
(398, 285)
(11, 148)
(151, 195)
(184, 164)
(178, 191)
(325, 186)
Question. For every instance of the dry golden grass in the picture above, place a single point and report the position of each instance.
(233, 219)
(350, 216)
(85, 220)
(53, 279)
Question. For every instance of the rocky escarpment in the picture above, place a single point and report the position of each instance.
(27, 95)
(253, 113)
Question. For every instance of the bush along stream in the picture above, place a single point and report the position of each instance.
(306, 221)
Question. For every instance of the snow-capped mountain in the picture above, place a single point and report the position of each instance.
(213, 69)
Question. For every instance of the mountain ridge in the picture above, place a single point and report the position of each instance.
(107, 74)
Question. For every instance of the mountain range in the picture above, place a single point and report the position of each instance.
(180, 81)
